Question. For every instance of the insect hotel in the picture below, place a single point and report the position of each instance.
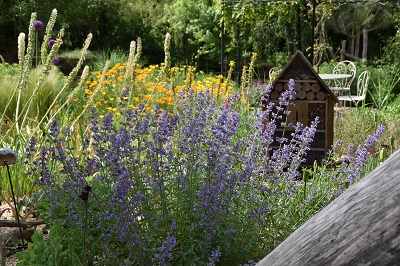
(313, 99)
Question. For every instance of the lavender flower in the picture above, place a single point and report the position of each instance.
(165, 251)
(354, 164)
(172, 189)
(215, 255)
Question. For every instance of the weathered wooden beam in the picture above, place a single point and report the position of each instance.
(14, 223)
(360, 227)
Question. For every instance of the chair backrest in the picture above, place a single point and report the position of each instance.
(345, 67)
(273, 73)
(362, 83)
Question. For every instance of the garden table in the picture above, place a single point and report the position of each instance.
(333, 77)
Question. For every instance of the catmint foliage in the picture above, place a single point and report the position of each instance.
(188, 188)
(353, 163)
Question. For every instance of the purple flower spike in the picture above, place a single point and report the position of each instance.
(38, 25)
(51, 43)
(56, 60)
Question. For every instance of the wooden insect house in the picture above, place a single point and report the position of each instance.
(313, 98)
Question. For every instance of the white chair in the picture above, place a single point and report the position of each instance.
(344, 67)
(362, 84)
(273, 73)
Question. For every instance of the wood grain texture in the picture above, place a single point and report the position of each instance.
(24, 224)
(360, 227)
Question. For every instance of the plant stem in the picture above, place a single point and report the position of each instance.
(84, 234)
(36, 48)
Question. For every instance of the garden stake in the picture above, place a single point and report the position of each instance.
(15, 204)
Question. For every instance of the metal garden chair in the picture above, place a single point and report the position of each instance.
(362, 85)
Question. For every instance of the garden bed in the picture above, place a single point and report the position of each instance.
(10, 234)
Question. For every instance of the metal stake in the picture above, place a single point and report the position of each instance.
(15, 203)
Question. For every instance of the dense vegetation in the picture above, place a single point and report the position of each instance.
(136, 163)
(273, 30)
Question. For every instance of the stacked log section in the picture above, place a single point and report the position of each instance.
(310, 95)
(304, 91)
(278, 87)
(306, 86)
(320, 96)
(274, 95)
(301, 94)
(286, 86)
(313, 90)
(315, 87)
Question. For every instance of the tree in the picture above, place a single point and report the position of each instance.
(322, 45)
(195, 27)
(351, 19)
(112, 28)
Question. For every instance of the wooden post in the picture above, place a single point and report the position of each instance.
(365, 44)
(360, 227)
(357, 45)
(352, 43)
(23, 224)
(343, 51)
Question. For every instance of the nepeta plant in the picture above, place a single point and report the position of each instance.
(353, 163)
(173, 189)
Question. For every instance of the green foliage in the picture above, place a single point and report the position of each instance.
(195, 26)
(353, 126)
(279, 59)
(383, 85)
(28, 100)
(69, 243)
(114, 56)
(252, 26)
(61, 247)
(112, 23)
(8, 70)
(42, 99)
(351, 18)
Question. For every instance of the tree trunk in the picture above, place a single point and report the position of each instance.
(288, 35)
(357, 44)
(360, 227)
(352, 42)
(298, 28)
(343, 51)
(365, 44)
(238, 52)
